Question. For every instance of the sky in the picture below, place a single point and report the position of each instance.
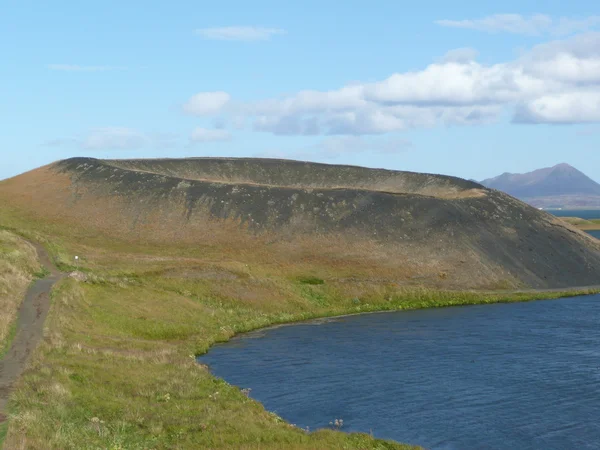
(460, 88)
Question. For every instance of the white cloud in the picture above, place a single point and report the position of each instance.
(114, 138)
(209, 135)
(239, 33)
(448, 83)
(563, 108)
(534, 25)
(575, 60)
(556, 82)
(402, 102)
(206, 103)
(307, 101)
(79, 68)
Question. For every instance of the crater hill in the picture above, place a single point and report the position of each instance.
(367, 224)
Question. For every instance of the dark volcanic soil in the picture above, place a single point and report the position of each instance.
(442, 231)
(30, 328)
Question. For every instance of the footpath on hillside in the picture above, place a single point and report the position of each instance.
(30, 329)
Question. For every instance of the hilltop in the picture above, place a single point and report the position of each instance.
(404, 227)
(561, 186)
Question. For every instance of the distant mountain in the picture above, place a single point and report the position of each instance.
(561, 186)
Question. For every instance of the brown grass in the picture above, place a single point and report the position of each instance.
(18, 263)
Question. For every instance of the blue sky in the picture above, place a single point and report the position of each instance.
(460, 88)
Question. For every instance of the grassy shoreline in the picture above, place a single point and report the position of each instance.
(80, 379)
(483, 298)
(583, 224)
(117, 367)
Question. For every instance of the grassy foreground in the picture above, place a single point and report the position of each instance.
(583, 224)
(18, 267)
(117, 370)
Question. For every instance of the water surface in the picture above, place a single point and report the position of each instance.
(581, 213)
(521, 375)
(595, 233)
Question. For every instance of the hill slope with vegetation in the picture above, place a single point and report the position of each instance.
(18, 267)
(411, 228)
(168, 265)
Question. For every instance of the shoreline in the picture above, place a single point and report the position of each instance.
(558, 295)
(530, 295)
(163, 344)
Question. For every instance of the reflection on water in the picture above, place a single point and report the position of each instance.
(524, 375)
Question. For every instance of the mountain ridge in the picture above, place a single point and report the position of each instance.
(561, 185)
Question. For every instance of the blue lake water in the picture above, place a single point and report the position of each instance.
(582, 213)
(505, 376)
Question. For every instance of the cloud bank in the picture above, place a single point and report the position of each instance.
(556, 82)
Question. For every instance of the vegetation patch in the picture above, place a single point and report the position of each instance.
(311, 280)
(18, 267)
(117, 366)
(583, 224)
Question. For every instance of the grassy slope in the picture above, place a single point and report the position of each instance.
(18, 266)
(116, 368)
(583, 224)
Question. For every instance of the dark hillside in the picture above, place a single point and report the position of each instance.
(404, 227)
(287, 173)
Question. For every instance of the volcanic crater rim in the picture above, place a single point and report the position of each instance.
(292, 174)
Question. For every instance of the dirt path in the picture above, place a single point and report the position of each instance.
(30, 328)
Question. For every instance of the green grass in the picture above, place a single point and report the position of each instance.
(583, 224)
(8, 339)
(41, 273)
(3, 431)
(124, 354)
(311, 280)
(18, 267)
(122, 350)
(117, 369)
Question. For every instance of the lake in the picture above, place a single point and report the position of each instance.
(582, 213)
(520, 375)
